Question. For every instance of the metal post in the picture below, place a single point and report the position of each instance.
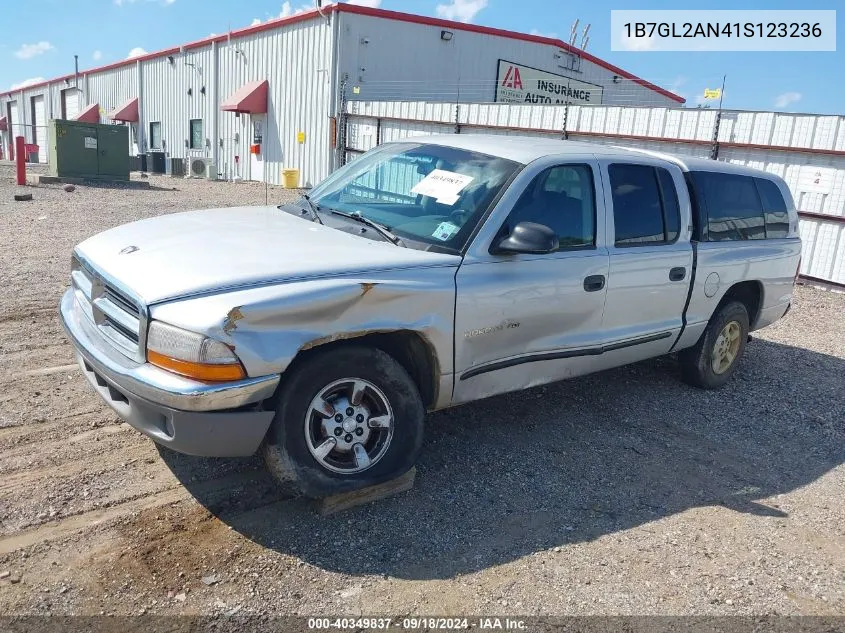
(714, 149)
(20, 160)
(342, 123)
(457, 118)
(565, 117)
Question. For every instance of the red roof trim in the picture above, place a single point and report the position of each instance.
(378, 13)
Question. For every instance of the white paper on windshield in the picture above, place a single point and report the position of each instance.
(445, 230)
(444, 186)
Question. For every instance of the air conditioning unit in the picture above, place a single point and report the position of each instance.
(200, 167)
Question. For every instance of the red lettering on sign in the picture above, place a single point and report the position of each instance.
(512, 78)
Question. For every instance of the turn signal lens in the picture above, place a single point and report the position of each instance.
(191, 354)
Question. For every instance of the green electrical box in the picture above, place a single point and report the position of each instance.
(88, 150)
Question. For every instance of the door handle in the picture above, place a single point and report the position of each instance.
(594, 283)
(678, 273)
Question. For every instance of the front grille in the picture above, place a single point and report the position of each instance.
(117, 315)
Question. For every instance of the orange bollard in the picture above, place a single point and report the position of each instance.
(19, 160)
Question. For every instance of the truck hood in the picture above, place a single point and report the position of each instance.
(183, 254)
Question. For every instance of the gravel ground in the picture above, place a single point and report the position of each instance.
(625, 492)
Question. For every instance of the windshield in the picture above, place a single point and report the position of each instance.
(428, 193)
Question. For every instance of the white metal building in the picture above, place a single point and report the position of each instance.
(207, 99)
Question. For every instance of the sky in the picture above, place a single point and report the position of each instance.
(42, 36)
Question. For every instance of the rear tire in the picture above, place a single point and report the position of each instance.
(316, 447)
(711, 362)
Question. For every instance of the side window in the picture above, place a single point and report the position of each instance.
(562, 198)
(734, 211)
(774, 209)
(645, 205)
(155, 135)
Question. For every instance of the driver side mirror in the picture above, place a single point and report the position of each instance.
(528, 237)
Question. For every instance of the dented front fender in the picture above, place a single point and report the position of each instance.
(269, 325)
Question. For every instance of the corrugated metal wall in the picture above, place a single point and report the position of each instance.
(807, 151)
(111, 89)
(173, 95)
(296, 59)
(378, 59)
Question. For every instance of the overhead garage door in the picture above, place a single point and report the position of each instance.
(15, 127)
(39, 131)
(70, 103)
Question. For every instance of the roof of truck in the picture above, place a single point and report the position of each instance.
(525, 149)
(691, 163)
(522, 149)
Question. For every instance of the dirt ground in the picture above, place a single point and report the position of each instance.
(625, 492)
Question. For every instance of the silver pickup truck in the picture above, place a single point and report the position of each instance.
(427, 273)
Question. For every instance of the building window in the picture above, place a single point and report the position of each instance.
(155, 135)
(645, 205)
(197, 138)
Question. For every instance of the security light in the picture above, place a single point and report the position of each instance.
(446, 35)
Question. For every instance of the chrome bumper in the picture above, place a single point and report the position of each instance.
(188, 416)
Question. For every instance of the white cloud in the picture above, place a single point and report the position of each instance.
(97, 56)
(136, 52)
(460, 10)
(783, 101)
(541, 34)
(373, 4)
(28, 82)
(255, 22)
(28, 51)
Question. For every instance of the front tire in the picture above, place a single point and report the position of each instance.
(711, 362)
(346, 418)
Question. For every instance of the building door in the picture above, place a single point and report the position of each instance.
(16, 127)
(256, 140)
(70, 103)
(39, 129)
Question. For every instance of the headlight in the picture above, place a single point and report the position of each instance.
(190, 354)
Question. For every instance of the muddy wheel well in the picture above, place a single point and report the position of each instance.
(748, 293)
(409, 348)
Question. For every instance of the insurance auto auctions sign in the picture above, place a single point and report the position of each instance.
(523, 84)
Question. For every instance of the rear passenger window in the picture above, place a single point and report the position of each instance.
(774, 209)
(645, 205)
(734, 211)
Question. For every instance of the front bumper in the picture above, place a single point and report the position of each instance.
(207, 419)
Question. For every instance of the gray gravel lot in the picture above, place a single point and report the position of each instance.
(626, 492)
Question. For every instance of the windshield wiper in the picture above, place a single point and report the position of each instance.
(312, 207)
(379, 228)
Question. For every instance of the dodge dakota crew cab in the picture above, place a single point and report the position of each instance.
(425, 274)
